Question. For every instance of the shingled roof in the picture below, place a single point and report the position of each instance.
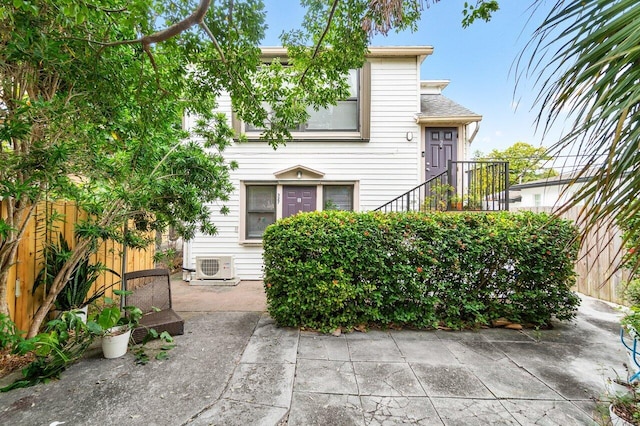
(436, 107)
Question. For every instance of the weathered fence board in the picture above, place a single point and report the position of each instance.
(22, 275)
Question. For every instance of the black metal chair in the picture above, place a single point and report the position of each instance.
(151, 292)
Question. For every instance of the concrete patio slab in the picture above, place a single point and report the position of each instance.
(377, 349)
(549, 413)
(472, 412)
(450, 381)
(240, 368)
(426, 351)
(318, 409)
(330, 348)
(247, 296)
(474, 352)
(235, 413)
(331, 377)
(281, 347)
(265, 384)
(385, 410)
(506, 380)
(386, 379)
(96, 391)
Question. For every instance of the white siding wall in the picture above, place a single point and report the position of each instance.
(385, 167)
(549, 196)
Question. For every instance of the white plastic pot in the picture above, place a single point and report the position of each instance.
(82, 313)
(613, 388)
(615, 420)
(116, 343)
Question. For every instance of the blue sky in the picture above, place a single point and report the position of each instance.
(477, 60)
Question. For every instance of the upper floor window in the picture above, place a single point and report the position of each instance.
(349, 118)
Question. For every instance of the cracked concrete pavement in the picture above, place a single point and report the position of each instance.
(240, 368)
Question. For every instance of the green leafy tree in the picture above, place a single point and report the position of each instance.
(93, 93)
(526, 162)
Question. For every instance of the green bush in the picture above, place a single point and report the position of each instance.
(631, 238)
(631, 262)
(330, 269)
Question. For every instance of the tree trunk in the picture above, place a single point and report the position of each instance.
(7, 260)
(4, 305)
(17, 219)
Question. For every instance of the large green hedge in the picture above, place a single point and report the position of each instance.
(330, 269)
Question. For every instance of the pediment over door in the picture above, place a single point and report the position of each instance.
(299, 172)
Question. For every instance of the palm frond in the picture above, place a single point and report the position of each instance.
(585, 57)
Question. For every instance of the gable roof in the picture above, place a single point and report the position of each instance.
(298, 172)
(421, 52)
(436, 108)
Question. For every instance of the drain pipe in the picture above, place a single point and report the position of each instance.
(475, 131)
(187, 270)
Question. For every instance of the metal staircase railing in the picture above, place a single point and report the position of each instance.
(466, 185)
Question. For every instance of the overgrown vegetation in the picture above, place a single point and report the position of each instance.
(326, 270)
(627, 405)
(66, 339)
(631, 260)
(76, 292)
(63, 342)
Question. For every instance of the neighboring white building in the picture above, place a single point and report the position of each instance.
(549, 192)
(395, 132)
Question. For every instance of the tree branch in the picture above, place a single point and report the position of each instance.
(334, 6)
(197, 17)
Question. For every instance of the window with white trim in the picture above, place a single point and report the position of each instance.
(262, 204)
(337, 197)
(349, 118)
(260, 209)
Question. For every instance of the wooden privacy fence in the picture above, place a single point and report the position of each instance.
(599, 255)
(21, 300)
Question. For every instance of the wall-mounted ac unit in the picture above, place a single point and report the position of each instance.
(214, 268)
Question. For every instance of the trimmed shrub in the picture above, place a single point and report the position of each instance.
(330, 269)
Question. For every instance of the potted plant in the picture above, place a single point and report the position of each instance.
(623, 396)
(624, 408)
(75, 294)
(631, 324)
(114, 325)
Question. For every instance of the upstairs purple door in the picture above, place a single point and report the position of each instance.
(440, 146)
(298, 199)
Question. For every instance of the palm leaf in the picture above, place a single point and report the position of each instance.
(586, 59)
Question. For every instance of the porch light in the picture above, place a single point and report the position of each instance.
(299, 174)
(409, 136)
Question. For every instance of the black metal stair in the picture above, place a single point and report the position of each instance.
(466, 185)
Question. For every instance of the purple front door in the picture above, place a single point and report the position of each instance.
(440, 147)
(298, 199)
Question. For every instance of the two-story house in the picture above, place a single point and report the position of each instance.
(394, 132)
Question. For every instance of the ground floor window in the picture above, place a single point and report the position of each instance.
(261, 209)
(264, 203)
(338, 197)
